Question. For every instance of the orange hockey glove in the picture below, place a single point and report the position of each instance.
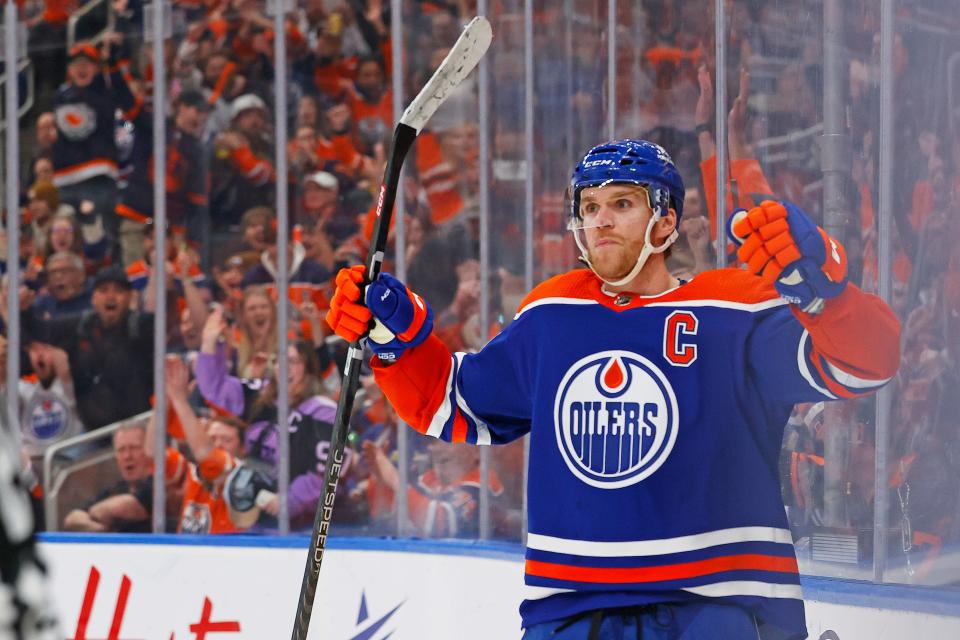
(348, 318)
(781, 244)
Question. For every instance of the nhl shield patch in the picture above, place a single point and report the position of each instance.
(616, 419)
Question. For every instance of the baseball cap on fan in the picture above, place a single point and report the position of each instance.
(113, 273)
(245, 102)
(193, 98)
(324, 180)
(84, 50)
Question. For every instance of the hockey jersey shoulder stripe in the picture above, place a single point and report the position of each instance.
(752, 307)
(553, 300)
(566, 288)
(727, 285)
(659, 547)
(721, 288)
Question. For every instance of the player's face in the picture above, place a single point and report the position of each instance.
(615, 220)
(226, 437)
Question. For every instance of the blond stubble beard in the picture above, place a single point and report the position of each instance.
(624, 263)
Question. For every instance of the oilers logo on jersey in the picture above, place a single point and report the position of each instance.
(76, 121)
(685, 435)
(616, 419)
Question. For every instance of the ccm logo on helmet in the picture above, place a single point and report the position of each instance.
(677, 329)
(615, 418)
(596, 163)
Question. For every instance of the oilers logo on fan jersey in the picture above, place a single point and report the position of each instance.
(616, 419)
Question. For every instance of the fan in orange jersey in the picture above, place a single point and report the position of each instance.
(216, 448)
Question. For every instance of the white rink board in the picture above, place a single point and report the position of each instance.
(841, 622)
(258, 588)
(408, 595)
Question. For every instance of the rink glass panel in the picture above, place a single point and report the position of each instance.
(923, 460)
(485, 254)
(827, 461)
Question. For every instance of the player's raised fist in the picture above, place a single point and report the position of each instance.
(347, 316)
(403, 319)
(780, 243)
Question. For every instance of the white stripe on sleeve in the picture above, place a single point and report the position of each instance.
(805, 367)
(442, 415)
(852, 381)
(483, 431)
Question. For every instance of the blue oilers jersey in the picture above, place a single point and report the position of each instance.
(655, 427)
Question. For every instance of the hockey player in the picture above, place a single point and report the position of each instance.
(655, 407)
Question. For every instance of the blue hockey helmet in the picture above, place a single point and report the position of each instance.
(631, 162)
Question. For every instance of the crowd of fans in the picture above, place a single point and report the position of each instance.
(89, 265)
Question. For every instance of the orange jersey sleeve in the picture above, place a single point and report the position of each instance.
(340, 149)
(856, 342)
(255, 169)
(417, 383)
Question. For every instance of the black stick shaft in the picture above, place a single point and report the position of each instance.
(403, 138)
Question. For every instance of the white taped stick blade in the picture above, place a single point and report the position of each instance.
(461, 60)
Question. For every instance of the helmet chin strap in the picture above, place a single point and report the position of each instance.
(645, 253)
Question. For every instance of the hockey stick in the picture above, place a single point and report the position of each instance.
(461, 60)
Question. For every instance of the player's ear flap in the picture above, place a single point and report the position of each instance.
(667, 223)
